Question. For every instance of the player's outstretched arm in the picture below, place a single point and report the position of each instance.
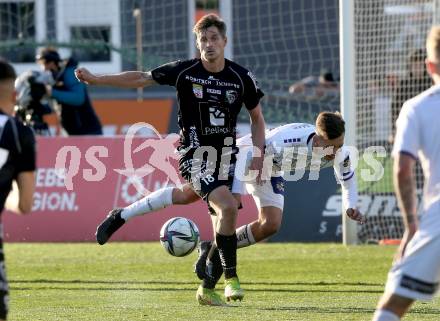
(127, 79)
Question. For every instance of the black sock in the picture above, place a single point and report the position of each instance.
(215, 271)
(227, 248)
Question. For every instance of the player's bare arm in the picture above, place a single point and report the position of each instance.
(258, 139)
(350, 196)
(127, 79)
(20, 198)
(404, 184)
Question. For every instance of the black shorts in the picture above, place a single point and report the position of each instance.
(4, 287)
(205, 175)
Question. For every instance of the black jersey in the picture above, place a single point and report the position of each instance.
(209, 102)
(17, 153)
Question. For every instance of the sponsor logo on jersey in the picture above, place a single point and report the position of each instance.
(214, 91)
(219, 83)
(231, 96)
(254, 79)
(277, 184)
(193, 137)
(198, 80)
(346, 163)
(292, 140)
(198, 90)
(216, 130)
(216, 116)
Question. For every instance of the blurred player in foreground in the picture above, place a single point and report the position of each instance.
(415, 274)
(210, 92)
(292, 147)
(17, 163)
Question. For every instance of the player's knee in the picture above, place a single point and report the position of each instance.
(188, 198)
(185, 196)
(228, 207)
(180, 199)
(270, 227)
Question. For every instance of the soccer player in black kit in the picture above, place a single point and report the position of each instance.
(210, 91)
(17, 163)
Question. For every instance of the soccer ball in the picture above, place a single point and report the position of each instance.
(179, 236)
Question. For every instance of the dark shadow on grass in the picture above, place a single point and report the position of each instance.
(329, 310)
(192, 282)
(321, 309)
(82, 288)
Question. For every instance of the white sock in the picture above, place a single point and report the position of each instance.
(244, 236)
(385, 315)
(150, 203)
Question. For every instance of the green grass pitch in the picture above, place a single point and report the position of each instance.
(139, 281)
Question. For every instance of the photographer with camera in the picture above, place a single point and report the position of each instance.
(76, 112)
(31, 105)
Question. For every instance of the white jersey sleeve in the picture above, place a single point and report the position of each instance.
(295, 137)
(407, 138)
(345, 174)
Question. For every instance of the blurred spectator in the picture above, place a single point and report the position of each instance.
(32, 105)
(416, 81)
(76, 111)
(379, 96)
(316, 88)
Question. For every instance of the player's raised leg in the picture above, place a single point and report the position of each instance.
(152, 202)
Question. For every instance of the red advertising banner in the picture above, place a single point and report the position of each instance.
(68, 207)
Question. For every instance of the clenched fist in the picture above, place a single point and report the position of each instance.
(85, 76)
(355, 215)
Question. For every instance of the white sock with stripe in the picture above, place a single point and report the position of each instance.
(150, 203)
(244, 236)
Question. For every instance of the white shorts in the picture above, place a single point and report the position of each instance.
(271, 193)
(417, 274)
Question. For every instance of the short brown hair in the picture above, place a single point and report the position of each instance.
(210, 20)
(330, 125)
(7, 72)
(48, 54)
(433, 44)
